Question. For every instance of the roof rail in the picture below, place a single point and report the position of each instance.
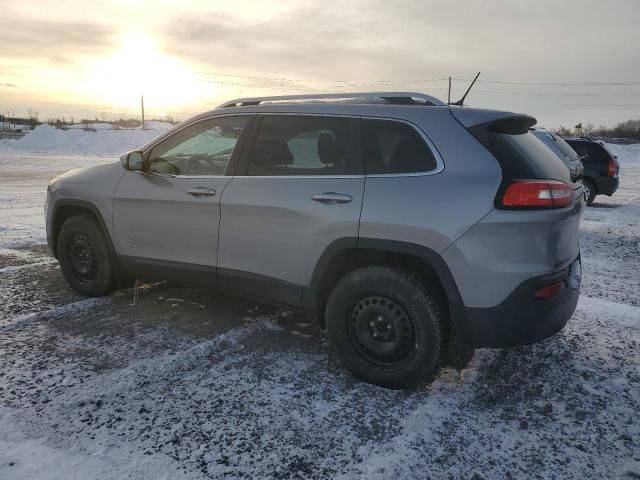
(404, 98)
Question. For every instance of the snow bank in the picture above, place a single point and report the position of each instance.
(95, 126)
(148, 125)
(48, 139)
(157, 125)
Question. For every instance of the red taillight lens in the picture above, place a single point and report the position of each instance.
(537, 194)
(549, 291)
(612, 171)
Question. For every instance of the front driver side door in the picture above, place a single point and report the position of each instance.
(168, 214)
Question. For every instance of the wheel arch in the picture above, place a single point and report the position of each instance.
(65, 209)
(346, 254)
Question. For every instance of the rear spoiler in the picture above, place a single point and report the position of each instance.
(480, 122)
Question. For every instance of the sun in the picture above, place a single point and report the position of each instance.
(138, 67)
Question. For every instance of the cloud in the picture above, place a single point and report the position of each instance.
(309, 42)
(416, 39)
(37, 39)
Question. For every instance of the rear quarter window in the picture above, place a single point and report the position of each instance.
(392, 147)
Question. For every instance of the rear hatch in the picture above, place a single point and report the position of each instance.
(525, 159)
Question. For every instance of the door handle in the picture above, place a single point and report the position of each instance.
(331, 198)
(202, 192)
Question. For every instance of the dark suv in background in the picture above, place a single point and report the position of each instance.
(601, 167)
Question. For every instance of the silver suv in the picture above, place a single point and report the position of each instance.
(415, 230)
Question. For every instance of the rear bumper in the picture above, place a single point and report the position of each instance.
(607, 185)
(521, 319)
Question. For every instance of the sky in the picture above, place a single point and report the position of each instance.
(563, 61)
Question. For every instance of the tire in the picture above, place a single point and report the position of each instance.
(359, 311)
(590, 190)
(84, 257)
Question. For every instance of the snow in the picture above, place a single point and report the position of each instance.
(94, 126)
(22, 457)
(46, 139)
(189, 384)
(627, 154)
(157, 125)
(24, 187)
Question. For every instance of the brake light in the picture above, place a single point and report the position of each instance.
(612, 171)
(549, 291)
(537, 194)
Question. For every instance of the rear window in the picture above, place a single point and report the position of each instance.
(394, 147)
(524, 156)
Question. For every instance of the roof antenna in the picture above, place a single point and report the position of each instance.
(460, 102)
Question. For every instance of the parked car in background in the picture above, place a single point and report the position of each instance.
(601, 167)
(413, 229)
(563, 150)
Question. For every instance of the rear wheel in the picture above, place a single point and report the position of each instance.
(589, 191)
(84, 257)
(386, 326)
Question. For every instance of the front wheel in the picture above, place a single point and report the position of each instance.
(84, 257)
(386, 326)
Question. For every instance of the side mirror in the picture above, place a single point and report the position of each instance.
(132, 160)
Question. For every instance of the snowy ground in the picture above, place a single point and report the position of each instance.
(189, 384)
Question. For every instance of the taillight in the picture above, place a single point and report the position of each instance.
(536, 194)
(612, 171)
(549, 291)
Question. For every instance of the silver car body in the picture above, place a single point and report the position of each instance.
(258, 228)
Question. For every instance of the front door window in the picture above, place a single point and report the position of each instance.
(203, 148)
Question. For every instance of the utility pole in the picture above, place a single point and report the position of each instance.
(142, 107)
(449, 95)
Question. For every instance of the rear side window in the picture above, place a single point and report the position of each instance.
(394, 147)
(303, 145)
(589, 151)
(524, 156)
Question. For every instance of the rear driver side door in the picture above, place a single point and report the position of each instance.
(298, 189)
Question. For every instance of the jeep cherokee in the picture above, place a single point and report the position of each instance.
(415, 230)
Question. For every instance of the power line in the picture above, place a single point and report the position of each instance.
(560, 94)
(359, 82)
(555, 84)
